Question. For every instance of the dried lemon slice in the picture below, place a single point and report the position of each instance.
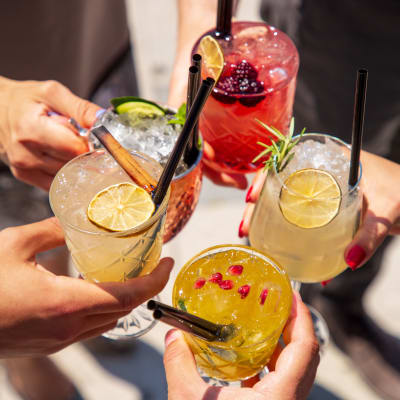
(213, 57)
(120, 207)
(310, 198)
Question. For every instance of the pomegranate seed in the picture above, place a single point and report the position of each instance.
(199, 283)
(324, 283)
(244, 291)
(226, 285)
(263, 296)
(216, 278)
(235, 269)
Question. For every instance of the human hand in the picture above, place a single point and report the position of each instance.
(35, 144)
(381, 209)
(292, 369)
(41, 313)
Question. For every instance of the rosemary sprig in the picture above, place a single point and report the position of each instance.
(279, 151)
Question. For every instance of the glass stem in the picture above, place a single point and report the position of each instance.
(296, 285)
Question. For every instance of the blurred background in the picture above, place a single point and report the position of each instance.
(135, 370)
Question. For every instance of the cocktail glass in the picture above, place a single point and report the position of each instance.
(158, 143)
(257, 82)
(234, 284)
(309, 254)
(100, 255)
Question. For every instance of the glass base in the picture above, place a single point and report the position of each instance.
(138, 322)
(219, 382)
(320, 328)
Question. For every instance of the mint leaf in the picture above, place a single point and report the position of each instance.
(179, 117)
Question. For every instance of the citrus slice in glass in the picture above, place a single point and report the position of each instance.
(120, 207)
(310, 198)
(213, 57)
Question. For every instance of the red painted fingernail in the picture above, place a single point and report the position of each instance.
(249, 194)
(355, 257)
(324, 283)
(241, 234)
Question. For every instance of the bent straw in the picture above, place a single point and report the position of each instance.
(190, 323)
(358, 125)
(122, 156)
(191, 151)
(176, 154)
(224, 17)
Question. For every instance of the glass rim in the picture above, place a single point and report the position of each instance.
(161, 210)
(250, 250)
(334, 139)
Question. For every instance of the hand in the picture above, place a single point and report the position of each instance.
(41, 313)
(292, 369)
(381, 211)
(35, 144)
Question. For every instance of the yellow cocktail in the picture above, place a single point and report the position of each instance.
(235, 284)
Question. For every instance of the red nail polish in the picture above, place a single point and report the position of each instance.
(324, 283)
(241, 234)
(355, 257)
(249, 194)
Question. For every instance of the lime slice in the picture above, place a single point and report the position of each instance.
(120, 207)
(310, 198)
(119, 101)
(213, 57)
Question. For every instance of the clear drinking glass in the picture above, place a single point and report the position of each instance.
(309, 254)
(100, 255)
(234, 284)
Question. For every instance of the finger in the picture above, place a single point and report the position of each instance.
(94, 332)
(128, 295)
(371, 234)
(63, 101)
(182, 377)
(224, 179)
(97, 321)
(256, 186)
(245, 224)
(33, 177)
(44, 162)
(40, 236)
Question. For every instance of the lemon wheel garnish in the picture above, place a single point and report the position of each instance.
(120, 207)
(310, 198)
(213, 57)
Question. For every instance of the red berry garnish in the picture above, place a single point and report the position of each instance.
(263, 296)
(235, 269)
(226, 285)
(216, 278)
(199, 283)
(244, 291)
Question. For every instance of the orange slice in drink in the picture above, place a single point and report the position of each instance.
(213, 57)
(310, 198)
(120, 207)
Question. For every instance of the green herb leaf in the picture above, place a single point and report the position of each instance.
(279, 151)
(179, 117)
(181, 305)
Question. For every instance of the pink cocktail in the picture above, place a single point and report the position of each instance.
(257, 82)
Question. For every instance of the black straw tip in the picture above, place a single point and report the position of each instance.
(193, 69)
(196, 57)
(151, 305)
(210, 80)
(157, 314)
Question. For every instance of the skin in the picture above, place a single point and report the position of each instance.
(42, 313)
(292, 368)
(34, 144)
(189, 30)
(381, 209)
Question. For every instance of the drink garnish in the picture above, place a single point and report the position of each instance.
(179, 117)
(279, 151)
(310, 198)
(213, 58)
(120, 207)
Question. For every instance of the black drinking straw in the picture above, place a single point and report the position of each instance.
(191, 151)
(176, 154)
(190, 323)
(358, 125)
(224, 18)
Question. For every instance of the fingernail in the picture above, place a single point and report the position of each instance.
(355, 257)
(100, 112)
(324, 283)
(249, 194)
(171, 336)
(241, 234)
(52, 113)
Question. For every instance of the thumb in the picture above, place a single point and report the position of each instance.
(184, 382)
(38, 237)
(368, 238)
(68, 104)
